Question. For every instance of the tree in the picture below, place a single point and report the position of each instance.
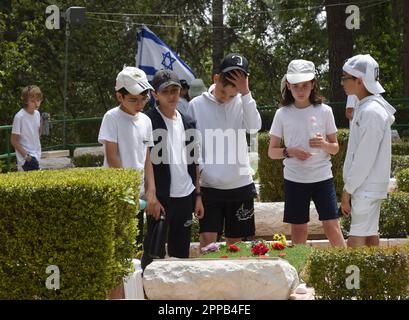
(406, 52)
(217, 39)
(340, 47)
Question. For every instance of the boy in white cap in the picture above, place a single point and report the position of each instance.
(308, 129)
(126, 134)
(368, 160)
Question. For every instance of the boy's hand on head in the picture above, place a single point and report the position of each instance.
(240, 80)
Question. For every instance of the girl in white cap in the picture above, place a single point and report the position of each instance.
(308, 129)
(368, 161)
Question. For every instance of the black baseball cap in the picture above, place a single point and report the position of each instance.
(165, 78)
(234, 61)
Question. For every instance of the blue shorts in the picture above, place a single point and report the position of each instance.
(299, 195)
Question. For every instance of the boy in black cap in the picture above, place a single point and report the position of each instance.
(175, 170)
(227, 110)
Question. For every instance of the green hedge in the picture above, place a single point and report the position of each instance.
(81, 220)
(394, 217)
(402, 178)
(383, 273)
(88, 160)
(271, 171)
(399, 163)
(400, 148)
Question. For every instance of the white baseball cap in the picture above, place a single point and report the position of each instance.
(133, 80)
(365, 67)
(300, 71)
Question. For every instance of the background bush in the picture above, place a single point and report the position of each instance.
(88, 160)
(271, 171)
(402, 178)
(400, 148)
(384, 273)
(81, 220)
(399, 163)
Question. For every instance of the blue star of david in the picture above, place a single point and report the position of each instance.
(167, 60)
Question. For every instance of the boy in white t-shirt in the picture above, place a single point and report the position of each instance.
(126, 132)
(368, 160)
(308, 129)
(25, 134)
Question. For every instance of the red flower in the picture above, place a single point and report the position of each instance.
(277, 246)
(224, 257)
(282, 254)
(259, 249)
(233, 248)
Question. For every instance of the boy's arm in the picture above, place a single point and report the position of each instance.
(14, 139)
(199, 209)
(112, 154)
(364, 157)
(153, 206)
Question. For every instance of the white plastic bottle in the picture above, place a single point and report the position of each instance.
(313, 129)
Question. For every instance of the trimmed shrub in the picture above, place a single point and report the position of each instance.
(400, 148)
(402, 177)
(84, 221)
(399, 163)
(88, 160)
(394, 217)
(383, 273)
(271, 171)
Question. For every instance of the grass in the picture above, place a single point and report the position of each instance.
(297, 255)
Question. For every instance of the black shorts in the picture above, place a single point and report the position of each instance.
(231, 210)
(299, 195)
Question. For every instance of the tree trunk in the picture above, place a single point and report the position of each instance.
(217, 56)
(406, 48)
(340, 48)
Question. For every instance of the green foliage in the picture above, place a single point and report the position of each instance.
(271, 171)
(399, 163)
(400, 148)
(402, 177)
(383, 273)
(88, 160)
(394, 217)
(83, 221)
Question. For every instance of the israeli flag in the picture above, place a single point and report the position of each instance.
(153, 55)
